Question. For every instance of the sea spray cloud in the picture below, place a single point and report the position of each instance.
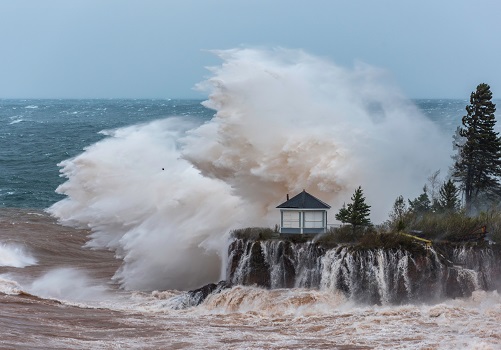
(284, 121)
(164, 224)
(287, 121)
(67, 284)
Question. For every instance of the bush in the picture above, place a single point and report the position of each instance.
(492, 219)
(253, 233)
(446, 226)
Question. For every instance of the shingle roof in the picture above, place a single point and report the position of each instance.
(304, 200)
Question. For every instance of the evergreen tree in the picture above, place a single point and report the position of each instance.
(478, 161)
(458, 142)
(357, 212)
(398, 214)
(448, 199)
(344, 214)
(421, 204)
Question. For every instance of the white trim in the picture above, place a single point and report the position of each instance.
(302, 218)
(305, 209)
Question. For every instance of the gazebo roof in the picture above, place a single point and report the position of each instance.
(304, 200)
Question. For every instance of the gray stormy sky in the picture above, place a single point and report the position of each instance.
(156, 48)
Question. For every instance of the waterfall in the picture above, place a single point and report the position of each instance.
(383, 276)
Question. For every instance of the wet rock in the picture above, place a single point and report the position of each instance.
(235, 253)
(197, 296)
(259, 269)
(381, 276)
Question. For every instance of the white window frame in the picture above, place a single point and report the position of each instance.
(291, 219)
(314, 219)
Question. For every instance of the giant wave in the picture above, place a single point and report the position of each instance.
(164, 195)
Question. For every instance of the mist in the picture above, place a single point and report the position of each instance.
(284, 121)
(15, 255)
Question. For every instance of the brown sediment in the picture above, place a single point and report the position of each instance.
(53, 245)
(237, 318)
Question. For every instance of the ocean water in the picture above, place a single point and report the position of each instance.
(38, 134)
(111, 209)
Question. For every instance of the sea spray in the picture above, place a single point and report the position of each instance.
(164, 195)
(286, 121)
(167, 225)
(68, 284)
(15, 255)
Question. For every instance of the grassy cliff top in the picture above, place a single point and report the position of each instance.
(363, 239)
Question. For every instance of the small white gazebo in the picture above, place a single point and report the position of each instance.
(303, 214)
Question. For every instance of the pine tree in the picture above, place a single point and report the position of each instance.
(344, 214)
(479, 159)
(448, 199)
(458, 142)
(357, 212)
(421, 204)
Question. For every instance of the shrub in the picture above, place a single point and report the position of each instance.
(492, 219)
(446, 226)
(253, 233)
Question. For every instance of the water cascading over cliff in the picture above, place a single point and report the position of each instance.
(384, 276)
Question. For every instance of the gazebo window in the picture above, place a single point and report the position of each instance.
(290, 219)
(313, 219)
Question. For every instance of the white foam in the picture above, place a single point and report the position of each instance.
(68, 285)
(276, 302)
(16, 119)
(8, 285)
(164, 223)
(15, 255)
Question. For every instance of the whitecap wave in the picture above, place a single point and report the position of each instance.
(68, 285)
(15, 255)
(276, 302)
(9, 286)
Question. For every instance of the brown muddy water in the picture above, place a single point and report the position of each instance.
(56, 294)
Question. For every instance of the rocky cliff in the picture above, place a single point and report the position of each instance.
(383, 276)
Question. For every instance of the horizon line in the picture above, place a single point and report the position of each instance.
(187, 98)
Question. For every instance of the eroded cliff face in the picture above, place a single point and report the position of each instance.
(383, 276)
